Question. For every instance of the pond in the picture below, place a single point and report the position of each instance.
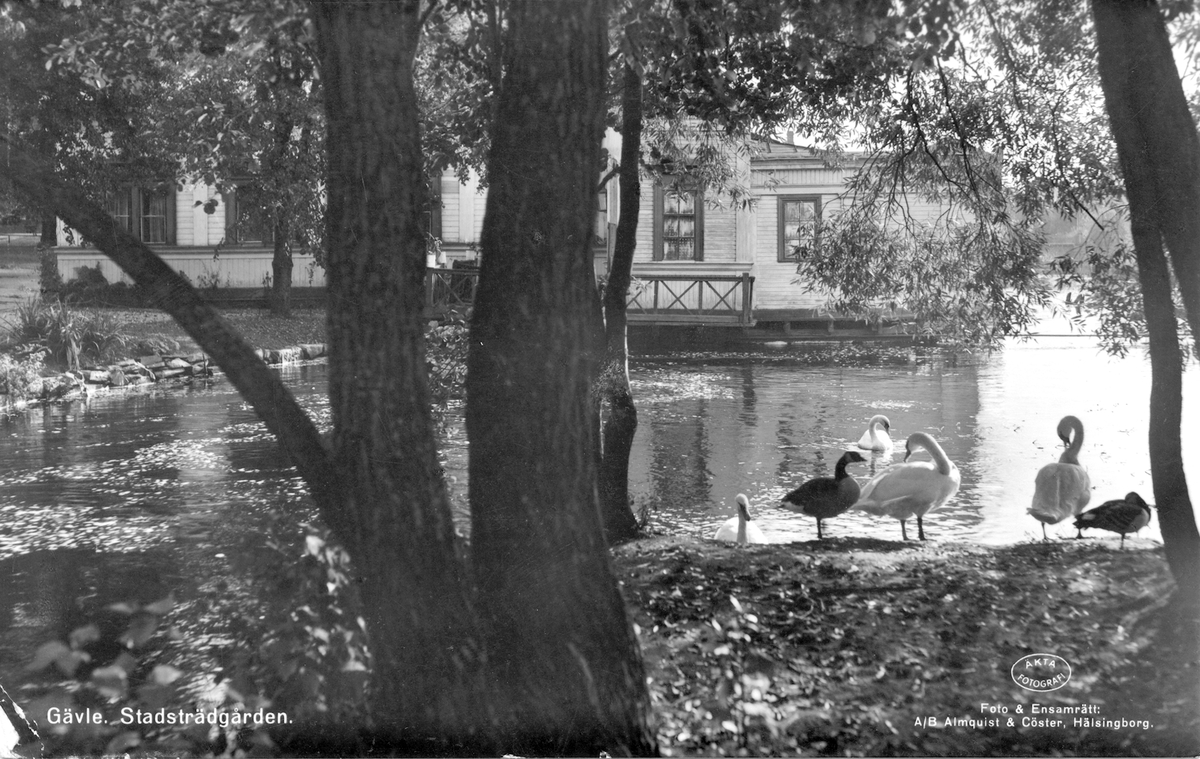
(129, 496)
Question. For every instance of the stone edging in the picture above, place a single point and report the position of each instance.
(143, 371)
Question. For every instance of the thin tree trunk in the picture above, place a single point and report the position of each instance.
(1164, 205)
(48, 229)
(282, 182)
(561, 650)
(427, 674)
(1166, 407)
(621, 424)
(281, 269)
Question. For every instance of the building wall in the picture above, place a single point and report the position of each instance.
(231, 268)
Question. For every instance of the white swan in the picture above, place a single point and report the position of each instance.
(876, 437)
(912, 489)
(741, 529)
(1062, 490)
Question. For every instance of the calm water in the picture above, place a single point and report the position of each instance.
(128, 496)
(765, 426)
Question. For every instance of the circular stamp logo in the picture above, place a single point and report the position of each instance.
(1041, 672)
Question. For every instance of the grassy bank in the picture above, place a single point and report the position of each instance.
(846, 647)
(257, 326)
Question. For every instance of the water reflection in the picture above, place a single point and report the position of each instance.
(123, 492)
(767, 425)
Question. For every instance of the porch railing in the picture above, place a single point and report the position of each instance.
(702, 299)
(449, 290)
(656, 299)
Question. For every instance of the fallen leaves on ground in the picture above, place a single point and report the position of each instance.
(847, 646)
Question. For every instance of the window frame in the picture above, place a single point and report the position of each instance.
(660, 193)
(135, 221)
(233, 236)
(783, 255)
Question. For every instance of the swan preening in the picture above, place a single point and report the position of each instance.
(741, 529)
(1127, 515)
(825, 497)
(876, 437)
(912, 489)
(1062, 490)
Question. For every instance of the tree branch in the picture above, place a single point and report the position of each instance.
(260, 386)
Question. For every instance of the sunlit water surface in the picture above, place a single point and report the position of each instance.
(130, 496)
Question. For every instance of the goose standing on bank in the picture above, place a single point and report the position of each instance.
(741, 529)
(876, 438)
(1128, 515)
(912, 489)
(1062, 490)
(825, 497)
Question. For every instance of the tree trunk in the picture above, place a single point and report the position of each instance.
(427, 673)
(621, 424)
(1138, 75)
(282, 182)
(1166, 408)
(1141, 86)
(48, 229)
(561, 651)
(281, 270)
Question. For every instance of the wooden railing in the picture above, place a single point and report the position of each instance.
(676, 299)
(449, 290)
(698, 299)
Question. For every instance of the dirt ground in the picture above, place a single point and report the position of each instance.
(858, 647)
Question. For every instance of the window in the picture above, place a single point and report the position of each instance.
(601, 231)
(678, 224)
(431, 217)
(146, 212)
(799, 218)
(247, 215)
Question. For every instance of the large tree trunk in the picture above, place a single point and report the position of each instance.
(621, 424)
(1139, 78)
(428, 686)
(1160, 159)
(561, 650)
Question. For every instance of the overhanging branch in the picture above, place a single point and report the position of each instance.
(169, 291)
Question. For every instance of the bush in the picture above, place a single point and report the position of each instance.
(71, 337)
(17, 375)
(446, 357)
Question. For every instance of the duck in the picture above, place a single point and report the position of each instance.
(876, 437)
(825, 497)
(1129, 514)
(1062, 490)
(912, 489)
(741, 529)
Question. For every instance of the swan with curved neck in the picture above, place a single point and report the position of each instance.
(1062, 489)
(741, 529)
(914, 488)
(876, 438)
(825, 497)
